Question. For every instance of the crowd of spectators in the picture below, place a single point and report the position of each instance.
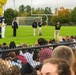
(34, 61)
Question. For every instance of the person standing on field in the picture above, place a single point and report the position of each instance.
(14, 26)
(3, 28)
(40, 27)
(57, 30)
(34, 25)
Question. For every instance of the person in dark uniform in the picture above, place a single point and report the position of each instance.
(57, 30)
(40, 27)
(14, 26)
(34, 25)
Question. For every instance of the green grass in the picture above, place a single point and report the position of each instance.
(25, 34)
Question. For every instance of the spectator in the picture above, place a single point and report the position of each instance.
(55, 67)
(29, 58)
(65, 53)
(74, 64)
(38, 69)
(27, 69)
(21, 57)
(17, 60)
(45, 52)
(4, 69)
(15, 70)
(12, 45)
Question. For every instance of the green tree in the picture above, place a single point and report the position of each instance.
(47, 10)
(22, 8)
(73, 13)
(9, 14)
(24, 11)
(28, 8)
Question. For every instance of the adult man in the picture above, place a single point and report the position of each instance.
(55, 67)
(40, 27)
(34, 25)
(57, 30)
(14, 26)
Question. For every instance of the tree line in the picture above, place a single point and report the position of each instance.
(65, 16)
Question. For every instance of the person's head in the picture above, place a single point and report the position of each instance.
(27, 69)
(12, 45)
(67, 37)
(42, 41)
(15, 70)
(58, 23)
(14, 18)
(35, 20)
(3, 20)
(4, 69)
(75, 37)
(40, 20)
(5, 46)
(63, 52)
(24, 45)
(11, 54)
(74, 64)
(55, 67)
(38, 69)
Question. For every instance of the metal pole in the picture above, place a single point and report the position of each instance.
(14, 4)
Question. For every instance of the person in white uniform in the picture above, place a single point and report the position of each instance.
(3, 28)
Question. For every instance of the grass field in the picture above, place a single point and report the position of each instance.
(25, 34)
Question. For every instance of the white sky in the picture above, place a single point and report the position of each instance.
(42, 3)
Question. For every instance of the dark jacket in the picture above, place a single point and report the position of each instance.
(40, 24)
(57, 27)
(15, 25)
(34, 24)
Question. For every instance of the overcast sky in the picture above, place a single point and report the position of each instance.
(42, 3)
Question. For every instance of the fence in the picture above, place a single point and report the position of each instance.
(36, 47)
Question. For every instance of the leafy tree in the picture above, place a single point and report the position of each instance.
(27, 8)
(24, 11)
(64, 16)
(47, 10)
(9, 14)
(73, 13)
(22, 8)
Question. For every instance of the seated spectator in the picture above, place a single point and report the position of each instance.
(67, 37)
(65, 53)
(29, 58)
(17, 60)
(15, 70)
(4, 69)
(5, 46)
(38, 69)
(75, 39)
(55, 67)
(74, 64)
(21, 57)
(27, 69)
(12, 45)
(1, 47)
(45, 52)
